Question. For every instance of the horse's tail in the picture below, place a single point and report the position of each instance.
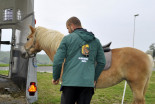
(151, 60)
(150, 69)
(151, 65)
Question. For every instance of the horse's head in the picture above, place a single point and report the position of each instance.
(31, 47)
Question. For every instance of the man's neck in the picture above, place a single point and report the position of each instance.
(78, 28)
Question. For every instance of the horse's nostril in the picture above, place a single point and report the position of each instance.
(24, 55)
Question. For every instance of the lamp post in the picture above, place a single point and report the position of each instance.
(134, 28)
(133, 47)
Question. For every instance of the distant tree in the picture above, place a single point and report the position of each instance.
(152, 47)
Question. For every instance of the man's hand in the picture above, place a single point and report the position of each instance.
(94, 83)
(55, 82)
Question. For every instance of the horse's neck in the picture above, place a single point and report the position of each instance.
(51, 51)
(51, 46)
(50, 54)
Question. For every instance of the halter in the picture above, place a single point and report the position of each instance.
(32, 46)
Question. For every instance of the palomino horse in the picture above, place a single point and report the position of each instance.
(128, 64)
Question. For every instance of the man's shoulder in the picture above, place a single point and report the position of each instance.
(66, 37)
(96, 40)
(71, 36)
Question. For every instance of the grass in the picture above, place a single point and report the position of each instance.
(3, 72)
(4, 65)
(50, 94)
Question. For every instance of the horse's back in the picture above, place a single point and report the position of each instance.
(132, 54)
(127, 64)
(132, 62)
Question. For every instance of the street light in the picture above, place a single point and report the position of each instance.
(133, 47)
(134, 28)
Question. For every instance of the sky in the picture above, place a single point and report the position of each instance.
(109, 20)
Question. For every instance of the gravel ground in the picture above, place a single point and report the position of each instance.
(10, 93)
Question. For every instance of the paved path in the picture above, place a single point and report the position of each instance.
(48, 69)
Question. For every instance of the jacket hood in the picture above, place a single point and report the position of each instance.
(85, 35)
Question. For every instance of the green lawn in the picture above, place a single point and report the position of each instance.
(50, 94)
(4, 65)
(3, 72)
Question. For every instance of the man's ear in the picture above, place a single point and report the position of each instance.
(72, 26)
(32, 29)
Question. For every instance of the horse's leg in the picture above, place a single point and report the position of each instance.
(138, 90)
(146, 85)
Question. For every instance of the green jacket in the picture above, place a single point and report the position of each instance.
(79, 70)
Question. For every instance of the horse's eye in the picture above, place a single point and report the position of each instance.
(27, 39)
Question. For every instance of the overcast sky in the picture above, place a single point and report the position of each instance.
(109, 20)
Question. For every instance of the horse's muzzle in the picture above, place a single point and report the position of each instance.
(25, 54)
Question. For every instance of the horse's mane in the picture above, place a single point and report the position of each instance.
(48, 39)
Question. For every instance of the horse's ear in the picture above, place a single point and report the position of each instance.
(32, 29)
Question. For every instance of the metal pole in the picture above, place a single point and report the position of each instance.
(0, 37)
(124, 92)
(134, 28)
(133, 47)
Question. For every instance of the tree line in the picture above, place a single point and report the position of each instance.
(152, 49)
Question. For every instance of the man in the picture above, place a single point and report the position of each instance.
(84, 61)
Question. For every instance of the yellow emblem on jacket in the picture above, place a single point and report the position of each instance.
(85, 50)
